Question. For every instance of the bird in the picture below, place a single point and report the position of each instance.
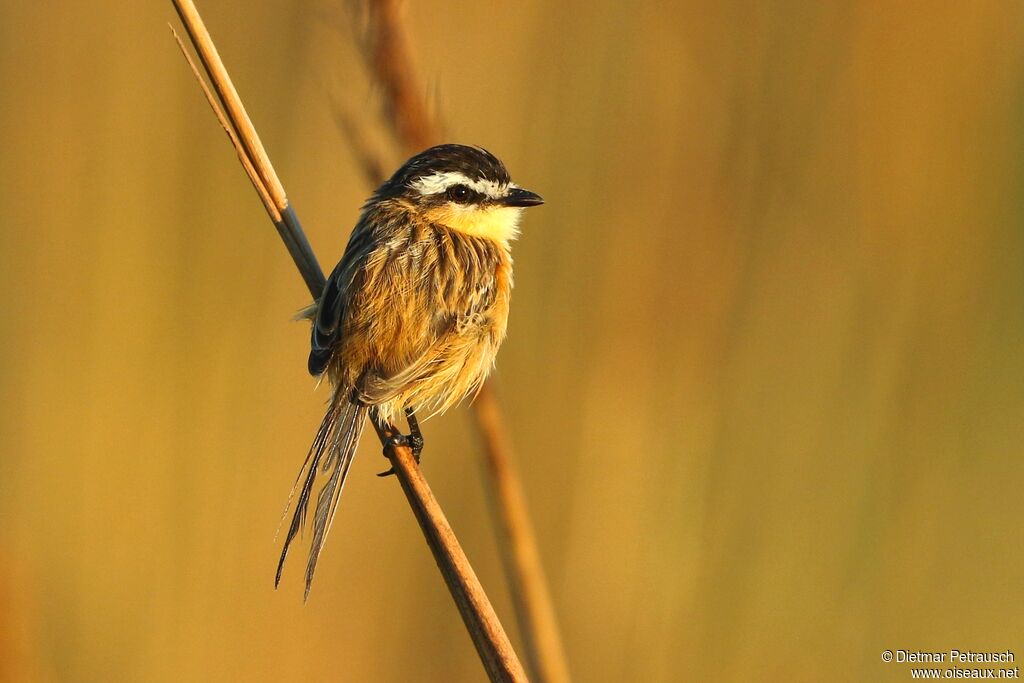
(411, 318)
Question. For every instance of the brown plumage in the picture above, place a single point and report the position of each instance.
(412, 316)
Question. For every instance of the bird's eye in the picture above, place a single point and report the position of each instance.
(459, 194)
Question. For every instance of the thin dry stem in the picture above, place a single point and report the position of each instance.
(389, 56)
(214, 67)
(250, 170)
(492, 644)
(248, 144)
(478, 615)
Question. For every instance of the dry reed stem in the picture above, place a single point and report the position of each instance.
(229, 98)
(489, 637)
(389, 56)
(248, 145)
(250, 170)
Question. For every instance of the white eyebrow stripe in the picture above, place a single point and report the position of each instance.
(437, 183)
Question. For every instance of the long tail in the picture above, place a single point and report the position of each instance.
(332, 451)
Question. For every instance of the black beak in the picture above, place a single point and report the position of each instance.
(520, 197)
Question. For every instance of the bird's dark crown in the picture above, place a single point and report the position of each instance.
(475, 163)
(449, 175)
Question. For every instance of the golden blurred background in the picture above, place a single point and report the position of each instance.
(764, 371)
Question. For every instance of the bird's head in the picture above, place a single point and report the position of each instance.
(462, 188)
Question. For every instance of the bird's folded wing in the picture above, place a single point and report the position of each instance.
(330, 309)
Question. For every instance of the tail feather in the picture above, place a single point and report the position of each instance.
(327, 502)
(332, 450)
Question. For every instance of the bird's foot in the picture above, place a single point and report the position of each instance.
(415, 436)
(414, 441)
(416, 444)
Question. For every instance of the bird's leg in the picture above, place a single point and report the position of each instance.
(390, 435)
(415, 436)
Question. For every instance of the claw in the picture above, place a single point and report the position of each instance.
(396, 440)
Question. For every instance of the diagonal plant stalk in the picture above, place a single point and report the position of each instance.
(483, 625)
(389, 57)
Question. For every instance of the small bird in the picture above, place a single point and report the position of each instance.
(411, 318)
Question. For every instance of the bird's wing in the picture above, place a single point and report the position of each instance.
(330, 309)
